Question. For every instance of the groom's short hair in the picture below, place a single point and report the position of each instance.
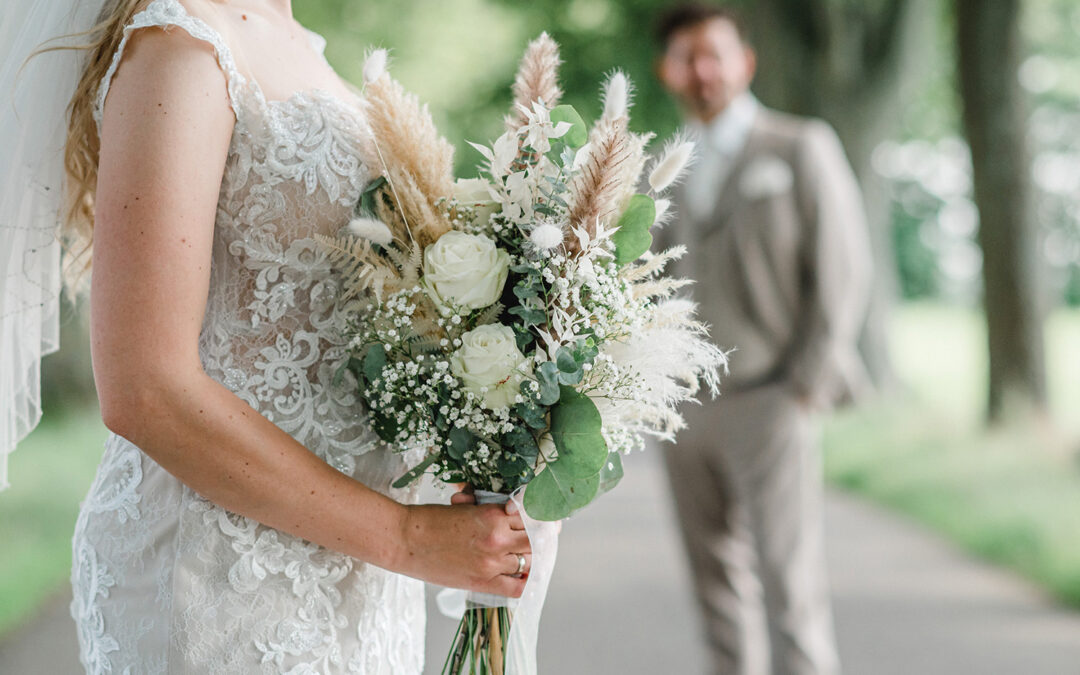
(690, 14)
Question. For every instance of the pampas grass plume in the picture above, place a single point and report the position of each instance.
(677, 156)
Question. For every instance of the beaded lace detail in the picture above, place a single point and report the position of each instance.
(166, 581)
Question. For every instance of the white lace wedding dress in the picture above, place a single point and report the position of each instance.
(165, 581)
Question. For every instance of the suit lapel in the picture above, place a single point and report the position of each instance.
(730, 197)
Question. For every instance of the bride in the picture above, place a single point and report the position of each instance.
(242, 518)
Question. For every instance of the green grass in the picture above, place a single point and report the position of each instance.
(50, 473)
(1010, 495)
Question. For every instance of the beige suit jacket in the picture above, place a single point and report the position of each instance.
(783, 264)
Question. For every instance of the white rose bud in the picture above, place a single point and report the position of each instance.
(476, 193)
(466, 270)
(489, 357)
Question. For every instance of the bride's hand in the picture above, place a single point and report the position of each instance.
(466, 546)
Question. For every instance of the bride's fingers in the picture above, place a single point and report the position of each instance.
(510, 587)
(514, 561)
(462, 498)
(518, 541)
(515, 518)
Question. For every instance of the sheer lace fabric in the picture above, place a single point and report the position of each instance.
(166, 581)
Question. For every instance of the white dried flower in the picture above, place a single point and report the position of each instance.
(375, 65)
(373, 230)
(546, 236)
(662, 206)
(676, 157)
(617, 92)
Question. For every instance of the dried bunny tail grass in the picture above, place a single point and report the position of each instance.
(403, 141)
(618, 96)
(597, 190)
(678, 154)
(537, 79)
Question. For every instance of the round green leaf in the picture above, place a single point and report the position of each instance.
(578, 134)
(572, 480)
(632, 236)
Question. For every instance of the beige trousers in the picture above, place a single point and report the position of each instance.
(746, 475)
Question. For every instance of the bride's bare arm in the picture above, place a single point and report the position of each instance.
(165, 137)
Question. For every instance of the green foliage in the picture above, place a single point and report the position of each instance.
(632, 236)
(578, 134)
(1011, 495)
(572, 479)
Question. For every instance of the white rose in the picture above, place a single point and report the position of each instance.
(467, 270)
(489, 357)
(476, 193)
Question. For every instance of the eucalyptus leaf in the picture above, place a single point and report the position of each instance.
(570, 481)
(416, 471)
(611, 474)
(578, 134)
(632, 236)
(461, 441)
(532, 414)
(547, 375)
(374, 362)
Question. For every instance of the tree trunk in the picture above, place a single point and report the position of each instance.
(988, 51)
(850, 66)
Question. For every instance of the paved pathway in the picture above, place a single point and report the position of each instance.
(906, 603)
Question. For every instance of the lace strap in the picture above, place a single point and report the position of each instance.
(164, 13)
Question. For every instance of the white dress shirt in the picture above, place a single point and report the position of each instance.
(719, 142)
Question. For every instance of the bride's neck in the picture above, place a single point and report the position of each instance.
(283, 6)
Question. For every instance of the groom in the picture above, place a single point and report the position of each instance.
(772, 219)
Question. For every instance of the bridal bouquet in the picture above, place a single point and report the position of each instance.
(513, 330)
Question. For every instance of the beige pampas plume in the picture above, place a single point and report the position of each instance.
(537, 79)
(597, 191)
(676, 157)
(405, 147)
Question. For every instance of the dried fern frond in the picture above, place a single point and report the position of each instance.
(596, 191)
(537, 79)
(405, 146)
(425, 344)
(362, 269)
(408, 264)
(490, 315)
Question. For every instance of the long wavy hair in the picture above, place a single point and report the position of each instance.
(82, 148)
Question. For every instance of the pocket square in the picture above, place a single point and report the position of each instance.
(765, 177)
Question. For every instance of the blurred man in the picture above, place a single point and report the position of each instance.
(773, 220)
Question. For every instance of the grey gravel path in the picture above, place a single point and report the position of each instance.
(906, 603)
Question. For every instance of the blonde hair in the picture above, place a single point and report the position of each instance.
(82, 147)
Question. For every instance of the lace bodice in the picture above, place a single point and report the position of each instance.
(226, 594)
(293, 170)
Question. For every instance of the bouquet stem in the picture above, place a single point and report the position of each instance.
(479, 646)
